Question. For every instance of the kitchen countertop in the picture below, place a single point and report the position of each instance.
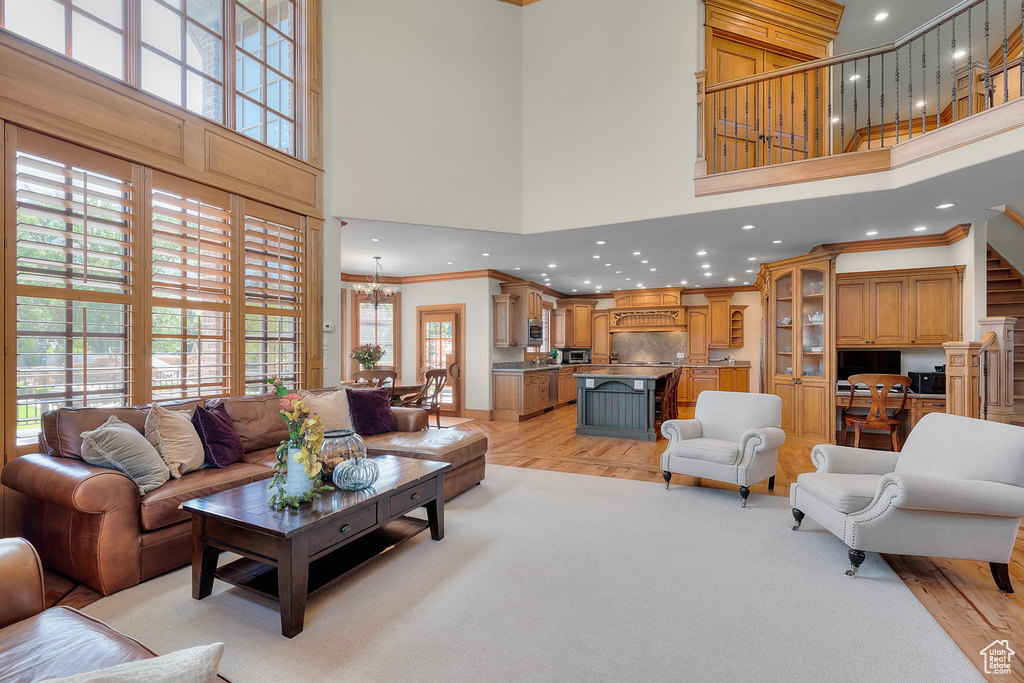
(536, 367)
(631, 372)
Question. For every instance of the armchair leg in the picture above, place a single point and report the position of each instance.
(744, 492)
(798, 515)
(668, 477)
(856, 560)
(771, 483)
(1001, 573)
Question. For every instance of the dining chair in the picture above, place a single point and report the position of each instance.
(666, 400)
(429, 398)
(877, 416)
(375, 378)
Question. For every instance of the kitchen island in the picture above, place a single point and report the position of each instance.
(618, 401)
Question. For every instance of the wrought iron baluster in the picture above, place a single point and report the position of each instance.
(831, 135)
(984, 388)
(714, 135)
(1006, 80)
(817, 111)
(746, 126)
(938, 76)
(735, 129)
(881, 115)
(757, 124)
(782, 123)
(842, 107)
(989, 100)
(768, 135)
(970, 59)
(897, 96)
(803, 75)
(952, 51)
(792, 118)
(856, 121)
(1020, 67)
(725, 130)
(924, 86)
(910, 90)
(869, 101)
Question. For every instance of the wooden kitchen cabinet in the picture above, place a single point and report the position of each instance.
(697, 334)
(919, 307)
(702, 379)
(566, 385)
(520, 395)
(531, 391)
(601, 338)
(558, 328)
(734, 378)
(800, 347)
(649, 297)
(573, 324)
(505, 320)
(719, 321)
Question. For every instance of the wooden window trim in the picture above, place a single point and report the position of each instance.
(355, 299)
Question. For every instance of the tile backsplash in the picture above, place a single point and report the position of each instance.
(648, 346)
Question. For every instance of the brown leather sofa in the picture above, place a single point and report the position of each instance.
(38, 643)
(91, 524)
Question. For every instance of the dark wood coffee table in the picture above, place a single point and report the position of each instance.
(290, 554)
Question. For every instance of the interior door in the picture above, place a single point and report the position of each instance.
(440, 343)
(733, 141)
(783, 133)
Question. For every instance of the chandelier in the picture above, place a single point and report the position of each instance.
(376, 291)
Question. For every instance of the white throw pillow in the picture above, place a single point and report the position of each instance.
(194, 665)
(176, 440)
(331, 406)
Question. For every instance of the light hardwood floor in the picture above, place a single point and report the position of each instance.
(960, 595)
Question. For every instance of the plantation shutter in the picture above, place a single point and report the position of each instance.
(274, 297)
(74, 278)
(192, 280)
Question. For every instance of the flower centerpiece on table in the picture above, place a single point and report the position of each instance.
(297, 471)
(367, 355)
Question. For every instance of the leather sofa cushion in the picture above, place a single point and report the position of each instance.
(843, 492)
(710, 450)
(160, 506)
(62, 642)
(257, 420)
(267, 457)
(442, 445)
(62, 428)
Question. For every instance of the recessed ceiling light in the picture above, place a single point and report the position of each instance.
(702, 253)
(705, 265)
(600, 242)
(708, 274)
(748, 227)
(628, 279)
(920, 228)
(543, 274)
(959, 53)
(869, 233)
(643, 261)
(854, 77)
(640, 286)
(750, 270)
(881, 16)
(450, 263)
(375, 239)
(776, 241)
(921, 103)
(751, 258)
(607, 264)
(636, 253)
(597, 256)
(517, 268)
(682, 282)
(696, 285)
(598, 287)
(586, 282)
(746, 283)
(835, 119)
(947, 205)
(730, 279)
(653, 269)
(575, 290)
(485, 254)
(552, 265)
(618, 272)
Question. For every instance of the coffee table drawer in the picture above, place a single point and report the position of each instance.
(412, 498)
(341, 529)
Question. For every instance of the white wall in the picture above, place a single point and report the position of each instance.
(476, 295)
(1007, 238)
(609, 120)
(422, 114)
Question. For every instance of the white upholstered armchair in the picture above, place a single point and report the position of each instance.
(734, 437)
(956, 490)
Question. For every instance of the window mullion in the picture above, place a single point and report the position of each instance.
(230, 119)
(132, 57)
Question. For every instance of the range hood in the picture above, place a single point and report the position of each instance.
(647, 319)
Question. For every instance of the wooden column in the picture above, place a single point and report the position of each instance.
(700, 168)
(999, 386)
(962, 383)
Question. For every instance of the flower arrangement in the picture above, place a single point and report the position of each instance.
(305, 433)
(367, 355)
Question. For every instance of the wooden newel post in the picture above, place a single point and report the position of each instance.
(999, 386)
(700, 168)
(962, 378)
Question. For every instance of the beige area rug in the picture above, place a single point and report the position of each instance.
(546, 576)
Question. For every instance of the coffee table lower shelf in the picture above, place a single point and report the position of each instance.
(323, 571)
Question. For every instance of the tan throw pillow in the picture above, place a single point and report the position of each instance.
(175, 439)
(331, 406)
(119, 446)
(194, 665)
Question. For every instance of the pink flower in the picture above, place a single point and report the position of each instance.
(286, 404)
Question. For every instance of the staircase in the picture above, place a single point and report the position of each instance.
(1006, 298)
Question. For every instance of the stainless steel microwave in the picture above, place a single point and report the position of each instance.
(578, 356)
(536, 331)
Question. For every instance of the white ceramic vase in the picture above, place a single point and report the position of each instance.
(296, 481)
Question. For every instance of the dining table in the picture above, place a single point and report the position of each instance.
(400, 388)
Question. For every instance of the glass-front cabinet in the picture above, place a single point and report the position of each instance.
(801, 347)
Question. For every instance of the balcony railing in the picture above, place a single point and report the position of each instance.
(964, 62)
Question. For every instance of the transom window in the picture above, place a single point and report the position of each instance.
(182, 53)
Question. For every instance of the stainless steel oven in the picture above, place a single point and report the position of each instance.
(580, 356)
(536, 331)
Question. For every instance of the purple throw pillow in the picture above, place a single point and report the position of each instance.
(221, 442)
(371, 411)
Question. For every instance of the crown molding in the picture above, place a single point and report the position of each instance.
(951, 236)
